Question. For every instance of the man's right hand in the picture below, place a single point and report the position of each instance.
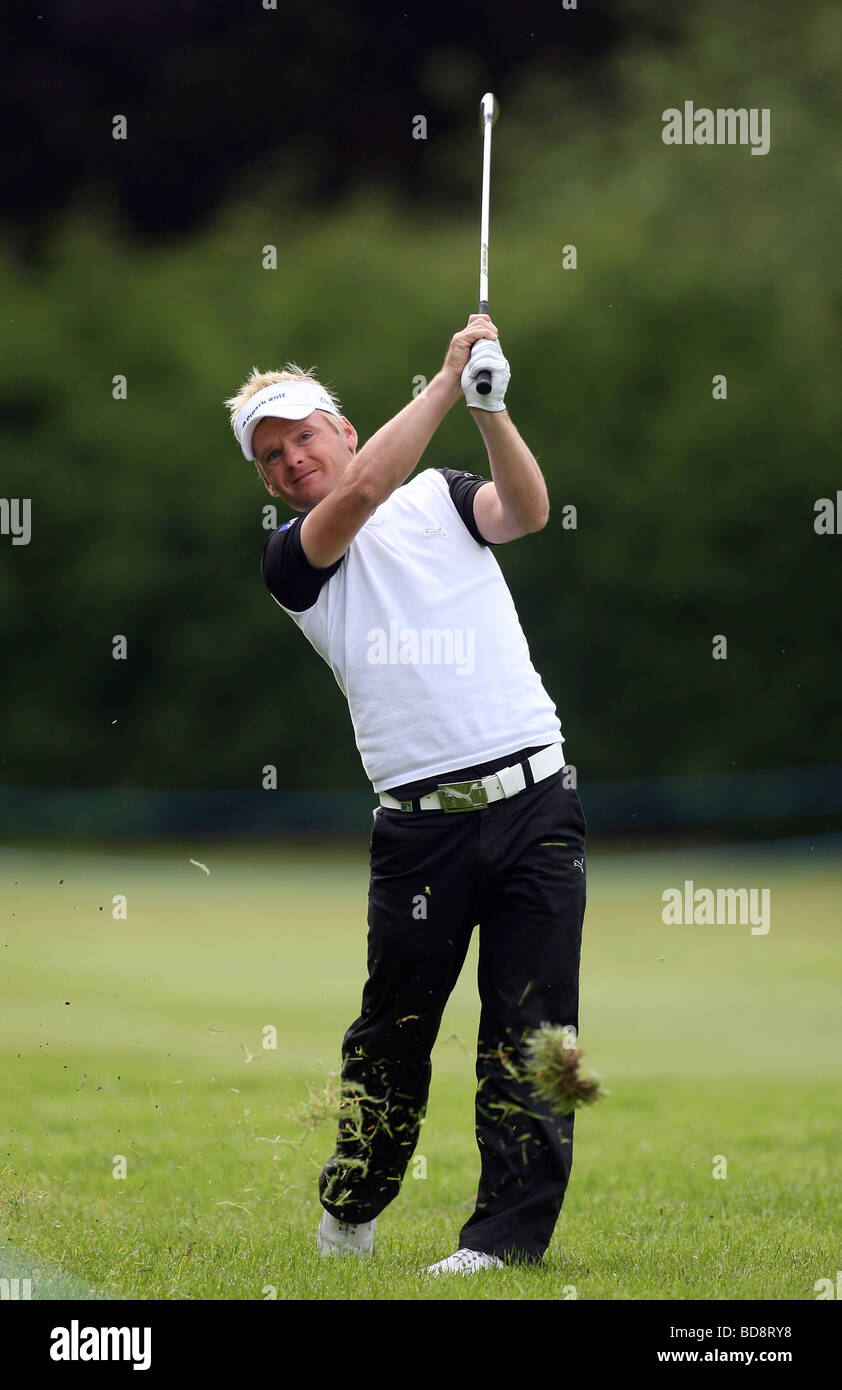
(456, 358)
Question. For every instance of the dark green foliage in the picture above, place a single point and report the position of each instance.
(695, 516)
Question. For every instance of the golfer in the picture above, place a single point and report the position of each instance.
(395, 585)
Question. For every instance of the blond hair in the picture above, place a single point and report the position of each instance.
(257, 379)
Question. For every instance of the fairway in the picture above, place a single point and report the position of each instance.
(142, 1038)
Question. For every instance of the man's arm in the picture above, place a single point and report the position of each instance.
(516, 502)
(386, 460)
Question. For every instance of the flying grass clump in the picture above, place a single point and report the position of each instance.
(344, 1102)
(320, 1105)
(551, 1069)
(333, 1100)
(358, 1116)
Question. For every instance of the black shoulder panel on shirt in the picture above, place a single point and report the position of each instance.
(288, 574)
(462, 487)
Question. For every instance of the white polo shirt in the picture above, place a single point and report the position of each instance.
(418, 626)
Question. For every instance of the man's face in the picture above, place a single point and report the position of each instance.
(301, 461)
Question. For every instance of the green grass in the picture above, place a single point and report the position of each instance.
(131, 1038)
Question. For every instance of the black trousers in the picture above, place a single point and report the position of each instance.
(517, 868)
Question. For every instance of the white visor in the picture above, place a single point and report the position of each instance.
(290, 400)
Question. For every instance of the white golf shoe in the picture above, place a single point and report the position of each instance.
(466, 1262)
(343, 1237)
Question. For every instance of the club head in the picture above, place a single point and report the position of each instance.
(488, 110)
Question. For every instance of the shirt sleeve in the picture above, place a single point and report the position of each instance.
(463, 488)
(288, 574)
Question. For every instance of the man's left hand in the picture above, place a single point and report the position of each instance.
(486, 355)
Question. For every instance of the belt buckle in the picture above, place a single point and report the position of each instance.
(462, 796)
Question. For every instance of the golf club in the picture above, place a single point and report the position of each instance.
(488, 112)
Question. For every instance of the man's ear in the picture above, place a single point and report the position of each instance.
(273, 491)
(350, 434)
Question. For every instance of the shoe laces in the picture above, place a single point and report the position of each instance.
(467, 1257)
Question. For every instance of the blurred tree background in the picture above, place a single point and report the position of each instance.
(249, 127)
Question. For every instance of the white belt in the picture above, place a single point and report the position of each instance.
(479, 792)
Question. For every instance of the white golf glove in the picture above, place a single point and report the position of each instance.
(486, 354)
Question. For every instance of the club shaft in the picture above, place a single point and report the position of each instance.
(486, 196)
